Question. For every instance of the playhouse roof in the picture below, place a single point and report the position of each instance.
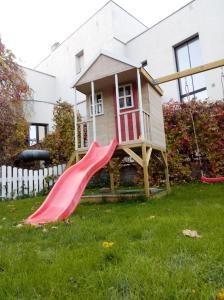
(115, 64)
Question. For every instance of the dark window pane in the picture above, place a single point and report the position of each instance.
(121, 101)
(128, 101)
(121, 92)
(128, 90)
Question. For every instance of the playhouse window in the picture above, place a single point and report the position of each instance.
(125, 96)
(98, 104)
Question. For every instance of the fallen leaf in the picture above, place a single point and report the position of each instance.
(19, 225)
(191, 233)
(54, 227)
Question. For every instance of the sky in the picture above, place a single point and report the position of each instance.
(30, 27)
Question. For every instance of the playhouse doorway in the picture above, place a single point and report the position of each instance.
(129, 113)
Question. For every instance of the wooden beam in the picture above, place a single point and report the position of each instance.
(140, 105)
(118, 108)
(145, 171)
(151, 81)
(148, 156)
(71, 161)
(93, 114)
(188, 72)
(133, 155)
(111, 173)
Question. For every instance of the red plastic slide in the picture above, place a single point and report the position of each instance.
(211, 180)
(67, 191)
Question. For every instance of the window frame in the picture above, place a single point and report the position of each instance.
(37, 125)
(176, 47)
(78, 56)
(91, 104)
(124, 97)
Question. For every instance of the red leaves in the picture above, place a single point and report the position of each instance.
(209, 125)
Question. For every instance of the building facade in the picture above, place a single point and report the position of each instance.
(191, 36)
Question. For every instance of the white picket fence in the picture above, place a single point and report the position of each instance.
(16, 182)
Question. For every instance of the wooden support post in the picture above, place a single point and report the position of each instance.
(140, 105)
(93, 112)
(118, 108)
(145, 171)
(164, 156)
(76, 127)
(111, 173)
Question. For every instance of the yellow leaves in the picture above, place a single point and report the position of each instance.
(220, 295)
(107, 245)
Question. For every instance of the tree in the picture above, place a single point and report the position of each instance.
(13, 91)
(61, 142)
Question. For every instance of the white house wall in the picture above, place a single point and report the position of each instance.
(204, 17)
(97, 33)
(39, 108)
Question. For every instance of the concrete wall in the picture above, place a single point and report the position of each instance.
(96, 34)
(204, 17)
(43, 96)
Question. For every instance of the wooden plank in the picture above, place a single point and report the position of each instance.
(20, 183)
(35, 181)
(30, 183)
(133, 155)
(14, 182)
(140, 105)
(191, 71)
(126, 128)
(145, 170)
(41, 180)
(4, 182)
(46, 184)
(148, 156)
(134, 123)
(118, 108)
(25, 182)
(9, 182)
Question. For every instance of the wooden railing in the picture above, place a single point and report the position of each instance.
(126, 123)
(83, 128)
(147, 127)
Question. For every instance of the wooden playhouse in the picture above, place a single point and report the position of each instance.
(122, 102)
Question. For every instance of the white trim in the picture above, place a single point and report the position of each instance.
(91, 105)
(120, 58)
(118, 109)
(76, 127)
(140, 105)
(94, 118)
(125, 96)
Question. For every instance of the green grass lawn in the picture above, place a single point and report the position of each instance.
(150, 258)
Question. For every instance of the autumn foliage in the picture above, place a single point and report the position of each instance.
(13, 91)
(61, 141)
(181, 143)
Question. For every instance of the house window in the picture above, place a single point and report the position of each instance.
(37, 132)
(79, 60)
(125, 96)
(98, 104)
(188, 55)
